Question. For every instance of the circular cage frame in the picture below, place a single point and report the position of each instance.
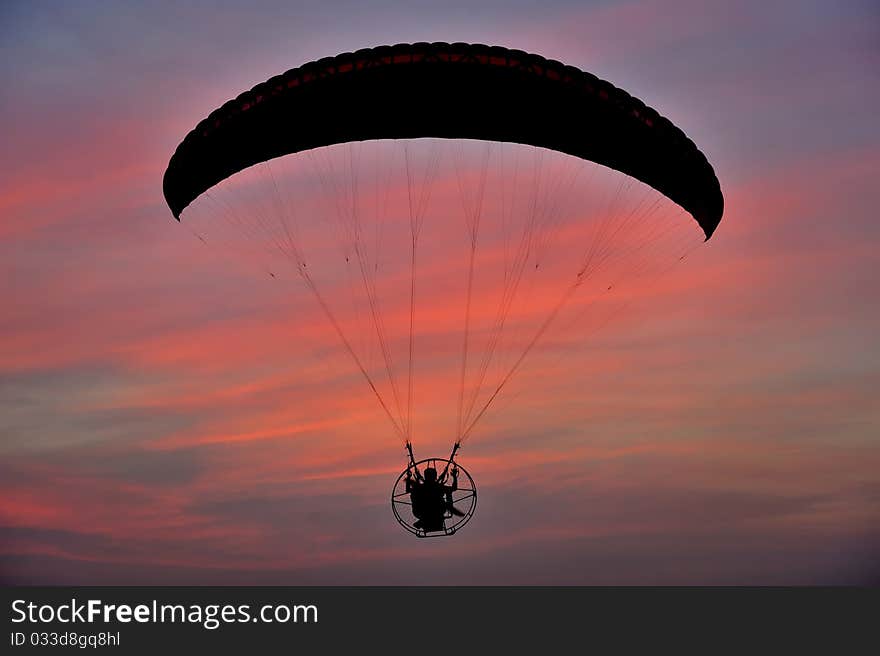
(400, 498)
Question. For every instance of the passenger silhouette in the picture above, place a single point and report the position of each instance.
(431, 498)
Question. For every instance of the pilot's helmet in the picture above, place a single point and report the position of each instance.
(430, 474)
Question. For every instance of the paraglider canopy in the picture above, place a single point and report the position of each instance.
(440, 90)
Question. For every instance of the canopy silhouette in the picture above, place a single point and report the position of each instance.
(440, 90)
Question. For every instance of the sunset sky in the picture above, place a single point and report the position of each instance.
(165, 419)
